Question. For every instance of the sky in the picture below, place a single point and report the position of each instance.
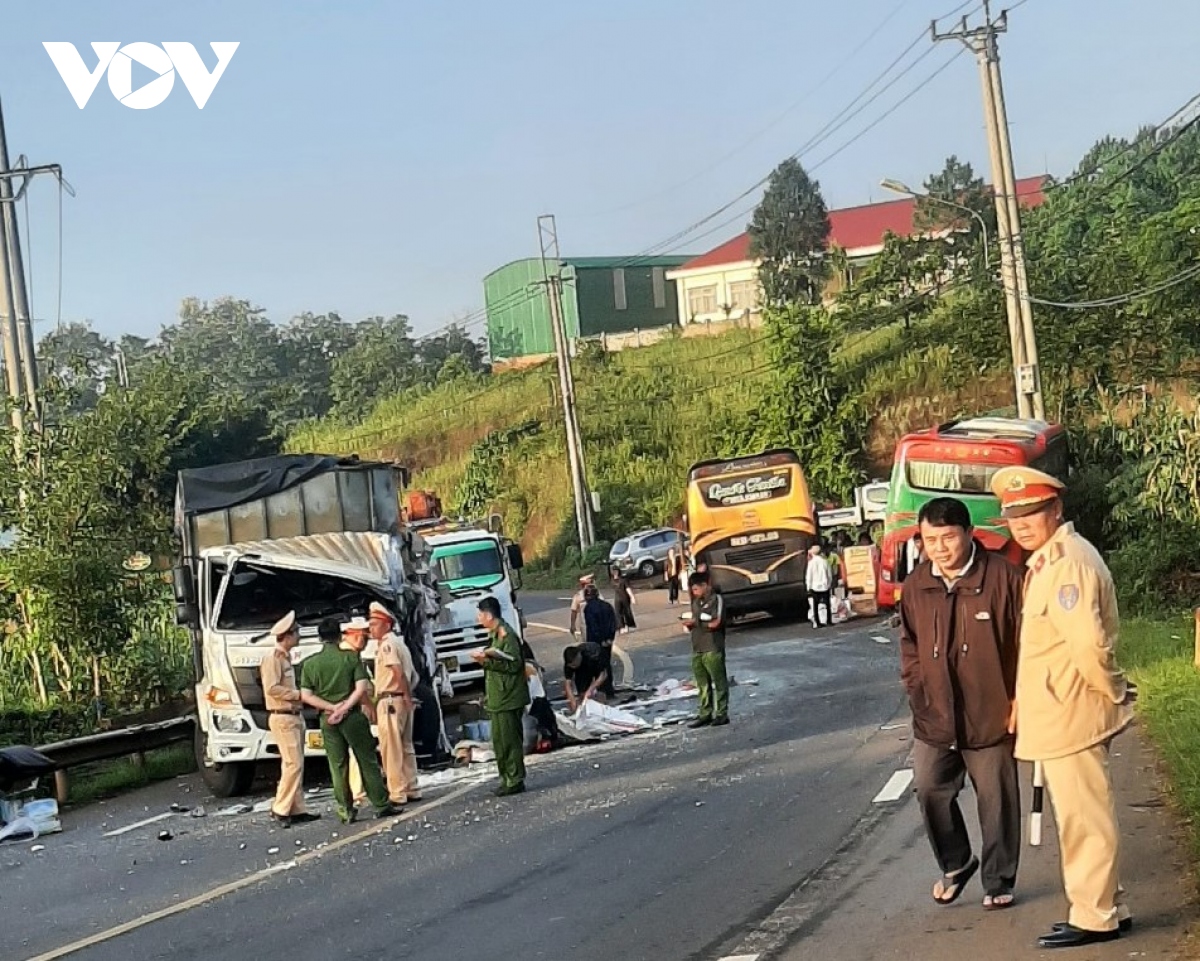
(383, 157)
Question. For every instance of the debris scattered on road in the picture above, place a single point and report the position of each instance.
(272, 850)
(880, 639)
(242, 846)
(892, 727)
(198, 811)
(37, 848)
(166, 836)
(177, 808)
(233, 809)
(672, 717)
(285, 866)
(699, 804)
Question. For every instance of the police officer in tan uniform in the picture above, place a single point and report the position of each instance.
(1071, 699)
(285, 722)
(395, 678)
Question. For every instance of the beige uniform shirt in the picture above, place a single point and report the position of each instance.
(1070, 692)
(279, 682)
(393, 652)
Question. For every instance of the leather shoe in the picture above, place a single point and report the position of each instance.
(700, 722)
(1069, 936)
(1125, 925)
(283, 820)
(305, 818)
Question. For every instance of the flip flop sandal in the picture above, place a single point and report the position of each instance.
(998, 902)
(950, 886)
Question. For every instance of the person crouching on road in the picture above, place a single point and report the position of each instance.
(706, 624)
(818, 578)
(286, 723)
(583, 674)
(395, 678)
(335, 682)
(506, 693)
(1071, 699)
(959, 617)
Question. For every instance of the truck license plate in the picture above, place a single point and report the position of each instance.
(760, 578)
(314, 741)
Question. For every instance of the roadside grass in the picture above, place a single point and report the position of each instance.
(106, 779)
(1158, 655)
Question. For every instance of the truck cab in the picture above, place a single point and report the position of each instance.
(471, 562)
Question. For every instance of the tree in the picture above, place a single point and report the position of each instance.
(80, 361)
(956, 183)
(454, 342)
(383, 361)
(309, 346)
(788, 235)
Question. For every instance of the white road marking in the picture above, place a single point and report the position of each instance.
(139, 824)
(896, 786)
(258, 876)
(740, 957)
(549, 627)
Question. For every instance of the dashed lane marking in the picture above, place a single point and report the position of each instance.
(896, 786)
(549, 627)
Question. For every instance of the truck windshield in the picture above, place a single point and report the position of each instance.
(470, 566)
(259, 595)
(955, 477)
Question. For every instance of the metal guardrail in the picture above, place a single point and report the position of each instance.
(107, 745)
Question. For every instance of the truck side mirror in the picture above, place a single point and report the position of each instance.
(184, 585)
(187, 615)
(515, 559)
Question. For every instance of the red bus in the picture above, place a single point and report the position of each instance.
(959, 460)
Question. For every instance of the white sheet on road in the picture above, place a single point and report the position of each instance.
(594, 720)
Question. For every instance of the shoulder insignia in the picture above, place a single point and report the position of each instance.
(1039, 564)
(1068, 596)
(1057, 551)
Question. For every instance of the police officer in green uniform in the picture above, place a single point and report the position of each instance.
(506, 694)
(706, 623)
(335, 682)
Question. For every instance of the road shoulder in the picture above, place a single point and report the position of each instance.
(884, 909)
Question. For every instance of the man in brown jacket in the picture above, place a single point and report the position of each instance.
(959, 617)
(1071, 699)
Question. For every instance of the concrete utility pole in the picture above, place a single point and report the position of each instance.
(982, 41)
(16, 278)
(552, 281)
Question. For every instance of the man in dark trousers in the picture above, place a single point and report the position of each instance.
(600, 626)
(706, 623)
(959, 619)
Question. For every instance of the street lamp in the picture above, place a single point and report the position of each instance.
(899, 188)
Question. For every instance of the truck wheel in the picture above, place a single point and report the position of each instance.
(647, 569)
(224, 780)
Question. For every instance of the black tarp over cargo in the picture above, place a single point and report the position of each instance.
(285, 496)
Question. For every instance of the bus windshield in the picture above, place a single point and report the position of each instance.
(469, 566)
(955, 477)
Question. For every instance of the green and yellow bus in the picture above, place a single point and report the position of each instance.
(959, 460)
(750, 520)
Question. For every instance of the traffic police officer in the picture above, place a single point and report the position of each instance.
(334, 682)
(286, 722)
(506, 694)
(395, 678)
(1071, 699)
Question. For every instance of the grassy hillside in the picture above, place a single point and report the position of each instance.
(646, 415)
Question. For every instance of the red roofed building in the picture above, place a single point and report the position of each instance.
(722, 284)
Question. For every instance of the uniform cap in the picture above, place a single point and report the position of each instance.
(356, 624)
(1023, 490)
(378, 610)
(284, 624)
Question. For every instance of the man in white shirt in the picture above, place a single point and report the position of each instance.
(818, 578)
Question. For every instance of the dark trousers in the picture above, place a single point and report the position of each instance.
(672, 588)
(606, 665)
(625, 614)
(819, 599)
(940, 775)
(353, 735)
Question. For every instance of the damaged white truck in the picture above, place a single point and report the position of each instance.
(319, 535)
